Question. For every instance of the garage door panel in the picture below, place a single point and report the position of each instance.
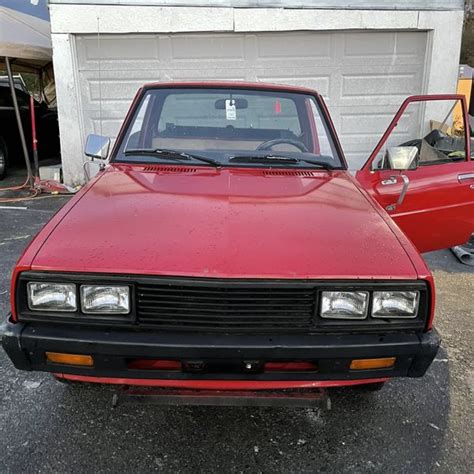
(368, 124)
(208, 74)
(294, 47)
(109, 127)
(378, 89)
(384, 46)
(210, 47)
(316, 82)
(410, 44)
(110, 52)
(357, 159)
(202, 67)
(115, 89)
(363, 75)
(374, 61)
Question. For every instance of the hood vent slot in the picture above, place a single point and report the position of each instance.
(307, 174)
(165, 169)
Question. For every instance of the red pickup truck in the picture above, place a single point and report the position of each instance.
(225, 247)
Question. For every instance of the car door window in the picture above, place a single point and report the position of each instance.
(431, 128)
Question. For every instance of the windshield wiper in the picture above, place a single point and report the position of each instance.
(263, 158)
(319, 164)
(281, 159)
(169, 154)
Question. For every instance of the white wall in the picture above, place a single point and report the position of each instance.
(444, 27)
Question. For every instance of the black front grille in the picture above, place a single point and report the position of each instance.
(227, 307)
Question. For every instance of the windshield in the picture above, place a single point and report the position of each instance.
(229, 127)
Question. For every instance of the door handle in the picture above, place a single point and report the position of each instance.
(465, 177)
(401, 198)
(389, 181)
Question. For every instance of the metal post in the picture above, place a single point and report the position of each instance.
(18, 119)
(41, 84)
(33, 138)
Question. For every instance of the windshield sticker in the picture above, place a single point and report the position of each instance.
(230, 109)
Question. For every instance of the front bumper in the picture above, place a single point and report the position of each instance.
(220, 358)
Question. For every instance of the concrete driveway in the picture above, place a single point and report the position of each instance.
(412, 425)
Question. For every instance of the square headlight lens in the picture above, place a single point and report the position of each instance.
(344, 304)
(395, 304)
(105, 299)
(51, 296)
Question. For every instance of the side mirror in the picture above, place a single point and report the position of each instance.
(402, 158)
(97, 147)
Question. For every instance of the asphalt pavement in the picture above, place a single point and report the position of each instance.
(412, 425)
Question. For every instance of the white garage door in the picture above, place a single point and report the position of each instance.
(364, 76)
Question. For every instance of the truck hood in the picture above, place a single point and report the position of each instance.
(233, 223)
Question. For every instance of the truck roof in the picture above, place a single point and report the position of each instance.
(230, 84)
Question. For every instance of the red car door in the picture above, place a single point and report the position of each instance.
(426, 183)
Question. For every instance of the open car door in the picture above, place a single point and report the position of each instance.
(422, 173)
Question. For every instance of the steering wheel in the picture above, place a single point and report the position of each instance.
(278, 141)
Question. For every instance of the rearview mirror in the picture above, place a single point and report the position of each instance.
(97, 146)
(402, 157)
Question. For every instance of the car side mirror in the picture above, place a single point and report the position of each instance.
(402, 158)
(97, 147)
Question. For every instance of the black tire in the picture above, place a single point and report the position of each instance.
(3, 158)
(370, 387)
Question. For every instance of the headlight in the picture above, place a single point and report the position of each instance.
(105, 299)
(395, 304)
(344, 304)
(52, 297)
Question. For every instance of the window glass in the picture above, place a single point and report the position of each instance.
(324, 142)
(260, 112)
(228, 124)
(432, 129)
(134, 135)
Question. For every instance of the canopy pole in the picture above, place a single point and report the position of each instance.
(33, 138)
(18, 119)
(41, 85)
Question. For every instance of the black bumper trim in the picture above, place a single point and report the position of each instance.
(26, 343)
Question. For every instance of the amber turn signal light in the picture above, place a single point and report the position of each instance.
(69, 359)
(365, 364)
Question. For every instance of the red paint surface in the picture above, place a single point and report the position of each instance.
(230, 84)
(243, 223)
(222, 384)
(438, 210)
(224, 223)
(239, 223)
(228, 223)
